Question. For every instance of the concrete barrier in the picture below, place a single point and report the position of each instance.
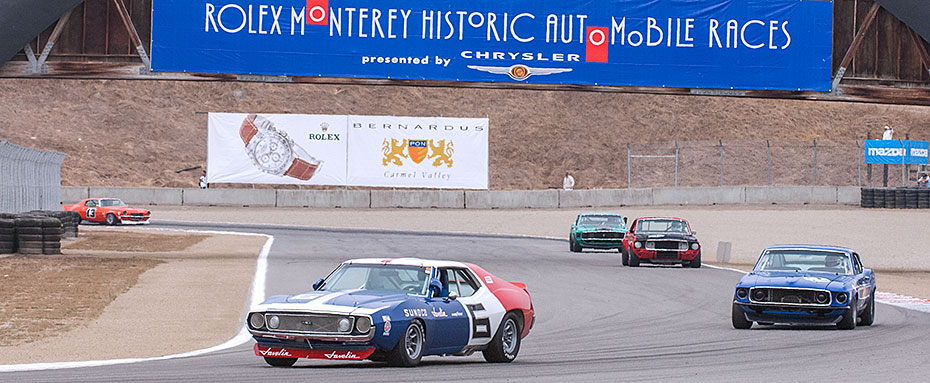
(511, 199)
(848, 195)
(418, 198)
(483, 199)
(73, 194)
(229, 197)
(323, 198)
(699, 196)
(139, 196)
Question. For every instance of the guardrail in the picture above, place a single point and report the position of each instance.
(483, 199)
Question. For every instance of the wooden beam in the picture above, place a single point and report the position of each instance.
(851, 52)
(924, 56)
(60, 26)
(133, 34)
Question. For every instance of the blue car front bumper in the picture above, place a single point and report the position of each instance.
(793, 314)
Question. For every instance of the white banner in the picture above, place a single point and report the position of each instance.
(276, 148)
(423, 152)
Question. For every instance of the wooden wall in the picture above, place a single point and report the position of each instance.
(888, 54)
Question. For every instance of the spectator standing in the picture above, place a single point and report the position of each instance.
(888, 133)
(203, 180)
(568, 182)
(924, 181)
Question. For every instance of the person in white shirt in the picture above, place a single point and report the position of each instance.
(569, 182)
(888, 133)
(203, 180)
(924, 181)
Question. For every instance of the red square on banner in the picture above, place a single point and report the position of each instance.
(317, 12)
(596, 50)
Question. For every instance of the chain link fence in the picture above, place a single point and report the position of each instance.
(757, 163)
(30, 179)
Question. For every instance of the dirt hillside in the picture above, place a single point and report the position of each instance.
(137, 133)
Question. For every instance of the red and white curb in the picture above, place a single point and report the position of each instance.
(903, 301)
(257, 295)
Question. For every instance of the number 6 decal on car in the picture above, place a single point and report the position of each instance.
(91, 213)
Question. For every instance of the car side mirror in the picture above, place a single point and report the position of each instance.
(435, 287)
(453, 296)
(693, 232)
(624, 220)
(317, 284)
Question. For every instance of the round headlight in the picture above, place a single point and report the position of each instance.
(638, 245)
(363, 325)
(759, 295)
(274, 321)
(257, 320)
(345, 325)
(841, 297)
(822, 297)
(742, 293)
(695, 246)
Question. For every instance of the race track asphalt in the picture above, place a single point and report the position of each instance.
(596, 321)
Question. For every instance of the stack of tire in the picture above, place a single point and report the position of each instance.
(7, 234)
(895, 198)
(37, 234)
(69, 220)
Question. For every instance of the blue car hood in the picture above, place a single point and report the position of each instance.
(803, 280)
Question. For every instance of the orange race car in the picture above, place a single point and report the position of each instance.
(112, 211)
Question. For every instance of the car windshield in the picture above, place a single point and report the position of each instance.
(393, 278)
(602, 220)
(111, 202)
(805, 260)
(662, 226)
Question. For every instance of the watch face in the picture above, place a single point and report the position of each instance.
(271, 153)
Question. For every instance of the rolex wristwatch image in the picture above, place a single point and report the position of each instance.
(273, 152)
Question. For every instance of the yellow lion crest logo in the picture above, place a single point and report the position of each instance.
(442, 151)
(393, 152)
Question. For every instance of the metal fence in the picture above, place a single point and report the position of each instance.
(30, 179)
(757, 162)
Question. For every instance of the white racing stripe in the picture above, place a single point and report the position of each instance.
(257, 296)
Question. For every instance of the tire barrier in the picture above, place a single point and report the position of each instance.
(7, 236)
(37, 234)
(69, 220)
(895, 198)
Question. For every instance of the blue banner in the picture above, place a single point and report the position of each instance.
(721, 44)
(891, 151)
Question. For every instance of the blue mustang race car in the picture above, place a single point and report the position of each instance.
(804, 284)
(395, 310)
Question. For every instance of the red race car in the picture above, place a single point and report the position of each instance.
(661, 240)
(112, 211)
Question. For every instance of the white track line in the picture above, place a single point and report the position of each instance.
(257, 295)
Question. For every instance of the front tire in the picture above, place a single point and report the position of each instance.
(696, 262)
(868, 316)
(849, 318)
(409, 349)
(624, 256)
(738, 317)
(111, 220)
(280, 362)
(574, 246)
(506, 343)
(633, 259)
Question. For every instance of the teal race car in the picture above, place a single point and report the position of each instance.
(597, 231)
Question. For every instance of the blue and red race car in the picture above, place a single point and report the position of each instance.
(395, 310)
(803, 284)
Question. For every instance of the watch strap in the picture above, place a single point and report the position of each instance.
(248, 129)
(301, 169)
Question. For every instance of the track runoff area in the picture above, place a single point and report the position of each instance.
(596, 320)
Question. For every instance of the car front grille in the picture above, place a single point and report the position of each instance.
(602, 235)
(789, 296)
(308, 323)
(666, 255)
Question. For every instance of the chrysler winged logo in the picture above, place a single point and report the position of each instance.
(417, 150)
(519, 72)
